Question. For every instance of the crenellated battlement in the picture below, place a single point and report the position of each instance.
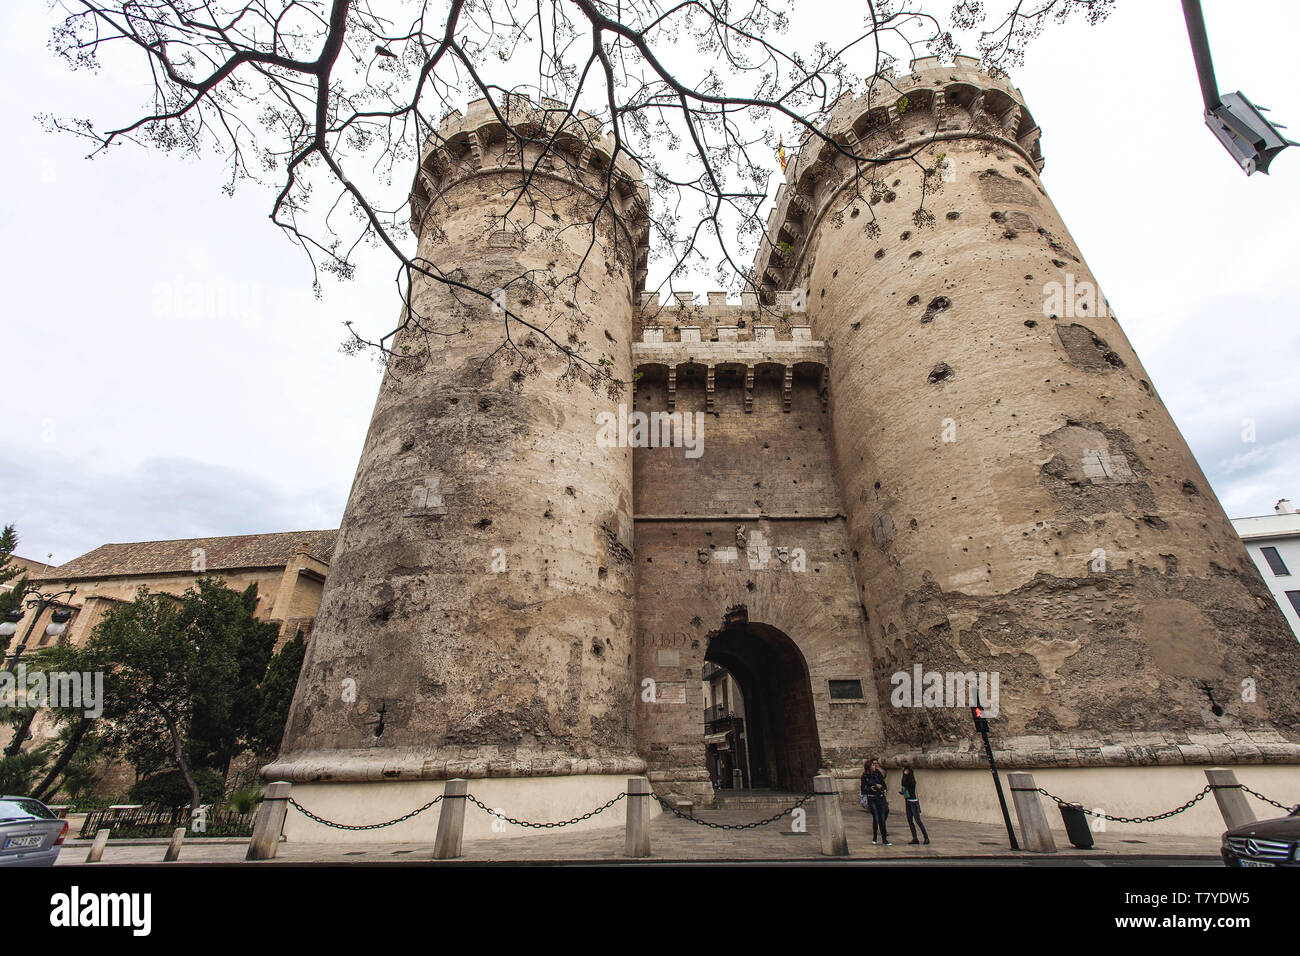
(762, 336)
(715, 316)
(544, 141)
(894, 119)
(732, 355)
(482, 122)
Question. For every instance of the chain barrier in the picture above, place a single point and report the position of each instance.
(367, 826)
(1168, 813)
(1280, 806)
(552, 825)
(541, 826)
(1148, 819)
(733, 826)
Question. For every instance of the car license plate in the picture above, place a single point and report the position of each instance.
(1254, 863)
(25, 841)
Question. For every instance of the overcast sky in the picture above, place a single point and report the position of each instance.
(134, 413)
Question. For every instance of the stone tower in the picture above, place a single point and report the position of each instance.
(1018, 499)
(921, 450)
(477, 620)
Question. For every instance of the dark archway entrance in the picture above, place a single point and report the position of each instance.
(783, 749)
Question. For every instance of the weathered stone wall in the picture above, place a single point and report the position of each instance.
(753, 530)
(1018, 498)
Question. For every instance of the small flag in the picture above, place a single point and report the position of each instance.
(780, 152)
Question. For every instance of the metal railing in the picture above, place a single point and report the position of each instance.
(148, 822)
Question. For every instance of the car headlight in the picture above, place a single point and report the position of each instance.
(1295, 853)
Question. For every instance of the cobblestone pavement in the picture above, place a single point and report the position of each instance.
(673, 839)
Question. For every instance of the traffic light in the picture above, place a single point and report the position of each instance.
(981, 722)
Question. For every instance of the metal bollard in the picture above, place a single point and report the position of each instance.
(637, 842)
(1035, 834)
(270, 822)
(830, 821)
(174, 848)
(451, 820)
(1230, 797)
(97, 848)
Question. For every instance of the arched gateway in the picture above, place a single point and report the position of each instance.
(779, 737)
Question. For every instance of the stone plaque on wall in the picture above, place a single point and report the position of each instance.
(670, 692)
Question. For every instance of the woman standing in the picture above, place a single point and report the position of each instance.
(874, 791)
(913, 805)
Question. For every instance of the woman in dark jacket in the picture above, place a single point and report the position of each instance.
(913, 804)
(874, 790)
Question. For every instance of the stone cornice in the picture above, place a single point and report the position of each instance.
(363, 766)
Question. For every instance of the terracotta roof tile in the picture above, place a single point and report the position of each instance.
(221, 554)
(31, 567)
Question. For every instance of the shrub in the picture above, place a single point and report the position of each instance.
(87, 804)
(244, 800)
(169, 790)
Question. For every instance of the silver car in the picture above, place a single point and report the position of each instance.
(30, 833)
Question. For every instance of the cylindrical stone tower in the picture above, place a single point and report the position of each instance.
(1019, 501)
(477, 619)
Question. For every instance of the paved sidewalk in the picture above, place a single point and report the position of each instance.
(675, 840)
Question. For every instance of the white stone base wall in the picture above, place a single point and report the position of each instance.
(968, 795)
(537, 799)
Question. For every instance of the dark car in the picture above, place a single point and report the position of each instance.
(1264, 843)
(30, 832)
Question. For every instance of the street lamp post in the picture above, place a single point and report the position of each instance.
(1239, 124)
(37, 600)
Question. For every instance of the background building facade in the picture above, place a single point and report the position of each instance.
(288, 567)
(1274, 545)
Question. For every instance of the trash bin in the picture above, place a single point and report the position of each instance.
(1076, 825)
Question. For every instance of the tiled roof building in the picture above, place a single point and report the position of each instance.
(288, 567)
(242, 552)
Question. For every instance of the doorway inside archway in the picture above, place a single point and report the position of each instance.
(775, 743)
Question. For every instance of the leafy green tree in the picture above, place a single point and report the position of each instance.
(154, 669)
(11, 596)
(183, 677)
(70, 751)
(18, 772)
(169, 788)
(75, 754)
(277, 695)
(186, 686)
(238, 648)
